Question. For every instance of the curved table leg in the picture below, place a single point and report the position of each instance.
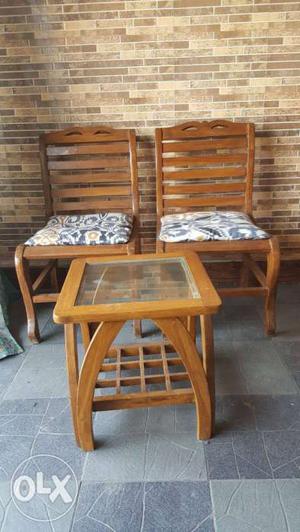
(72, 370)
(208, 359)
(183, 343)
(85, 334)
(94, 356)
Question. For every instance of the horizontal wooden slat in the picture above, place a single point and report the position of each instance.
(88, 205)
(209, 173)
(199, 202)
(45, 298)
(227, 247)
(73, 252)
(149, 379)
(79, 135)
(204, 131)
(86, 191)
(198, 189)
(251, 291)
(205, 159)
(88, 163)
(136, 400)
(115, 147)
(198, 145)
(90, 178)
(133, 349)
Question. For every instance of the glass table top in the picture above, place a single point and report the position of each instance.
(136, 280)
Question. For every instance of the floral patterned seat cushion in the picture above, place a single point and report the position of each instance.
(214, 225)
(84, 230)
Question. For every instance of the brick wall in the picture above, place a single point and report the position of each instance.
(143, 64)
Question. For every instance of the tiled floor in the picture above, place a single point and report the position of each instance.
(149, 473)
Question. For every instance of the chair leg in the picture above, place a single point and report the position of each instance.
(26, 290)
(244, 274)
(53, 278)
(273, 265)
(137, 326)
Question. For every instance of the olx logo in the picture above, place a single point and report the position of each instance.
(44, 488)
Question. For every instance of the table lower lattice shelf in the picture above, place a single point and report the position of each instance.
(139, 375)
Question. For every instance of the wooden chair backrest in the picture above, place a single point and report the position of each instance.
(89, 169)
(204, 166)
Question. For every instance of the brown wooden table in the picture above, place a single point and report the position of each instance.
(101, 295)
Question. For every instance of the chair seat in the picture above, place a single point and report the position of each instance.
(83, 230)
(211, 225)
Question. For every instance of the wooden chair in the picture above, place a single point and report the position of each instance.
(209, 166)
(84, 170)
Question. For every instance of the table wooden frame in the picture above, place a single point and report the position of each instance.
(173, 318)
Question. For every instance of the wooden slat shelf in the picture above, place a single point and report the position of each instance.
(128, 373)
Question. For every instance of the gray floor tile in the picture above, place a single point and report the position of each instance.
(57, 419)
(263, 370)
(63, 446)
(289, 353)
(233, 412)
(288, 292)
(174, 457)
(43, 374)
(161, 419)
(185, 418)
(149, 507)
(47, 355)
(9, 368)
(244, 457)
(296, 376)
(289, 492)
(38, 382)
(177, 506)
(14, 521)
(247, 330)
(281, 412)
(13, 450)
(36, 407)
(288, 322)
(229, 377)
(283, 450)
(241, 310)
(2, 390)
(105, 506)
(250, 455)
(247, 505)
(120, 422)
(119, 458)
(220, 460)
(221, 328)
(20, 425)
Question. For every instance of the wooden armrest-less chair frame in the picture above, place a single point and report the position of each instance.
(84, 170)
(208, 166)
